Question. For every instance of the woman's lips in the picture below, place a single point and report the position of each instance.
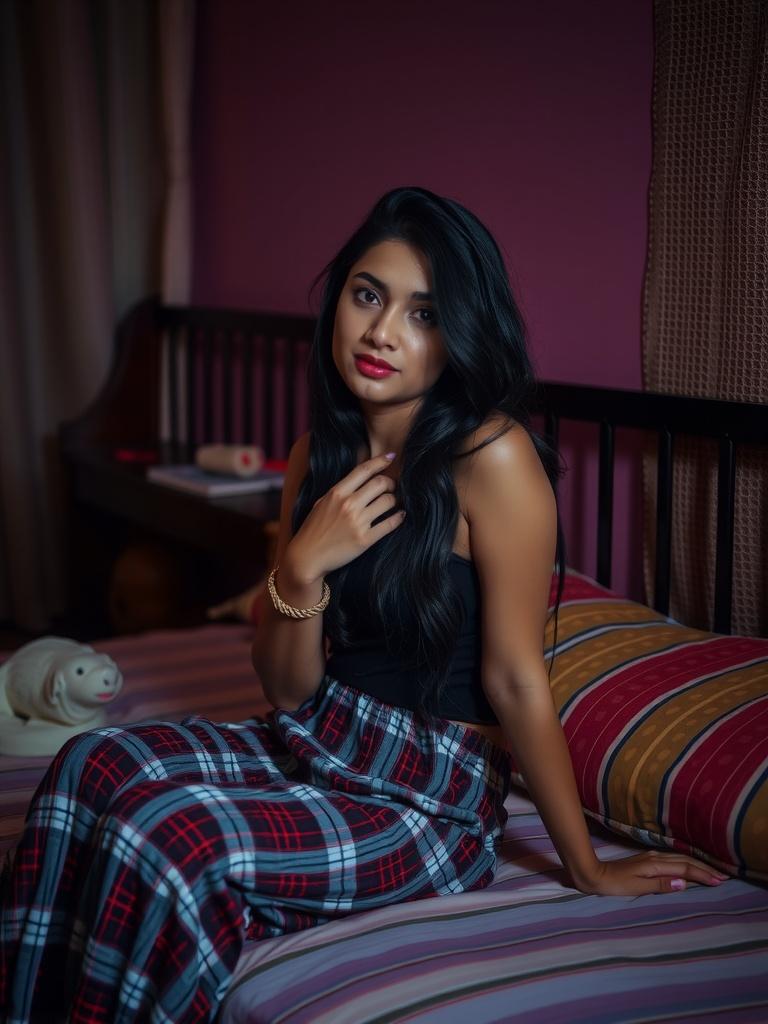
(376, 368)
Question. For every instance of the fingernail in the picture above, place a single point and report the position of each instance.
(390, 455)
(677, 883)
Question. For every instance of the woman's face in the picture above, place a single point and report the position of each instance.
(387, 344)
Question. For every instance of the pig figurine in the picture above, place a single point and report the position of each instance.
(51, 689)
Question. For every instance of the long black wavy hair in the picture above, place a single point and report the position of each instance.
(488, 371)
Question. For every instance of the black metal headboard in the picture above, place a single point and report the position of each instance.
(669, 416)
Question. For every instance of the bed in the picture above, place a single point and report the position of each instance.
(667, 730)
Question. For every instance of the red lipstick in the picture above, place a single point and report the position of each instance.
(370, 366)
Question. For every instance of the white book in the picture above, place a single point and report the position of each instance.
(214, 485)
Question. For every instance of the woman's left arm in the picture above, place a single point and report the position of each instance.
(510, 507)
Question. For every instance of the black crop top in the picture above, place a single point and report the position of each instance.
(368, 666)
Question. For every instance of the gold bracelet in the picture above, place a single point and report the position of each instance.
(288, 609)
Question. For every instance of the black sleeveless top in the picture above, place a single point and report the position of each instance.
(368, 666)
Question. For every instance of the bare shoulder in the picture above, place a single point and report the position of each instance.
(500, 461)
(499, 441)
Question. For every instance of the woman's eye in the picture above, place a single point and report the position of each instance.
(427, 317)
(366, 296)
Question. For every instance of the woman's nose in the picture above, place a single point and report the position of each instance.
(383, 330)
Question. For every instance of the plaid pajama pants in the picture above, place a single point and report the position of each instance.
(151, 853)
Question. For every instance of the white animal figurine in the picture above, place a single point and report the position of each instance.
(52, 689)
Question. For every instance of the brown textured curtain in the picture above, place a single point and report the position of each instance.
(706, 288)
(94, 215)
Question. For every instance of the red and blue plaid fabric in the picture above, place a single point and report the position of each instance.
(151, 853)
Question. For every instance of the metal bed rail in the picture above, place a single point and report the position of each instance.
(730, 424)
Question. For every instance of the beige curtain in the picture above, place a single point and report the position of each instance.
(177, 43)
(82, 183)
(706, 289)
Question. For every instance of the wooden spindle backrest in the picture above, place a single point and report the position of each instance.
(234, 378)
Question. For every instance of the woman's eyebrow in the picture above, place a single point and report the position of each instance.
(419, 296)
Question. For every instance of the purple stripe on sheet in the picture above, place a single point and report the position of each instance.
(671, 993)
(406, 969)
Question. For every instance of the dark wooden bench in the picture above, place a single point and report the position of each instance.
(179, 378)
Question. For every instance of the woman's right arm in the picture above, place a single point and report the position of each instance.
(288, 654)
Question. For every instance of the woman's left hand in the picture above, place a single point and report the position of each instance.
(650, 872)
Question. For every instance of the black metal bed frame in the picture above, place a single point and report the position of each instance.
(194, 338)
(668, 416)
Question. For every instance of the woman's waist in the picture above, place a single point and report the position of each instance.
(485, 739)
(488, 730)
(459, 697)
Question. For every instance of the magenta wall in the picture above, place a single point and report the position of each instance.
(537, 116)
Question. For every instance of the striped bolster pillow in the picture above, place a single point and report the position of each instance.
(667, 727)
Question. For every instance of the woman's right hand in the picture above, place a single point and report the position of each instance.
(338, 528)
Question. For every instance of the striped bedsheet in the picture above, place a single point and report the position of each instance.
(526, 949)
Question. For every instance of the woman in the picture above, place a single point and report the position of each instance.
(402, 649)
